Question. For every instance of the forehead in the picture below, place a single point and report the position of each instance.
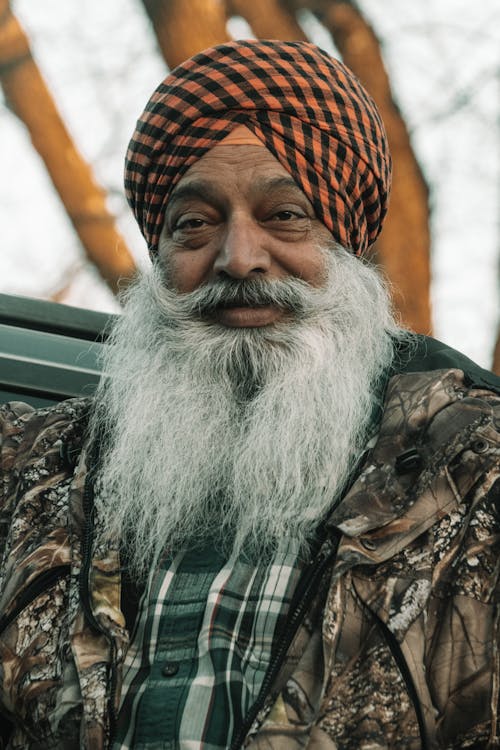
(238, 168)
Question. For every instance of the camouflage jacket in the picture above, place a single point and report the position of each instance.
(393, 641)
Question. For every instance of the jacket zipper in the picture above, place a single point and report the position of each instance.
(404, 670)
(83, 585)
(303, 598)
(40, 584)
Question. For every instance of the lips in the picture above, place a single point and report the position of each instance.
(240, 303)
(248, 316)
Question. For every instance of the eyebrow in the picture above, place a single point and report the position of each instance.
(197, 189)
(204, 190)
(274, 183)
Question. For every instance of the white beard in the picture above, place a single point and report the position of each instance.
(244, 436)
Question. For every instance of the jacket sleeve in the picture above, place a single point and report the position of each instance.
(13, 419)
(466, 620)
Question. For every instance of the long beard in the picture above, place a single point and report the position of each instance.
(243, 436)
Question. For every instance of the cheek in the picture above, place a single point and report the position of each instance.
(186, 271)
(311, 267)
(317, 259)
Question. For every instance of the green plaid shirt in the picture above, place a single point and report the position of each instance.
(201, 647)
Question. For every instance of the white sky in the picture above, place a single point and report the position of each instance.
(101, 64)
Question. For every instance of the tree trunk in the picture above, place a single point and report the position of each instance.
(269, 19)
(85, 202)
(183, 29)
(404, 245)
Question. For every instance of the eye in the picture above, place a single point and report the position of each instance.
(287, 215)
(286, 220)
(188, 223)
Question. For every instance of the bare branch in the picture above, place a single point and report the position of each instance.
(28, 96)
(183, 30)
(269, 19)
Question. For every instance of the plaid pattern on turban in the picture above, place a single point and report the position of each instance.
(307, 108)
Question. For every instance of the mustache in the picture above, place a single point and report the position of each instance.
(291, 295)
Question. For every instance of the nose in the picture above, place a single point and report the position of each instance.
(242, 253)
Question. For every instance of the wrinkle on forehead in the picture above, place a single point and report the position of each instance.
(203, 189)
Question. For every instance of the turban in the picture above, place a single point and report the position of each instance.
(307, 108)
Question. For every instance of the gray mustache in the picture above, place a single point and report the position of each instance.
(292, 295)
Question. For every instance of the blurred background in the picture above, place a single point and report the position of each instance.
(76, 75)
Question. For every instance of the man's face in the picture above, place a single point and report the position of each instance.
(238, 214)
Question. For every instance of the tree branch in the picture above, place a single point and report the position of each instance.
(269, 19)
(184, 29)
(29, 98)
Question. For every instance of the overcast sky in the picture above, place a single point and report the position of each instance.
(101, 63)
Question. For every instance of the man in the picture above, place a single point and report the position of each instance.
(276, 525)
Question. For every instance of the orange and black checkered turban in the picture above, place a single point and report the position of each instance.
(307, 108)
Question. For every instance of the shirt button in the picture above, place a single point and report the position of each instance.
(170, 668)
